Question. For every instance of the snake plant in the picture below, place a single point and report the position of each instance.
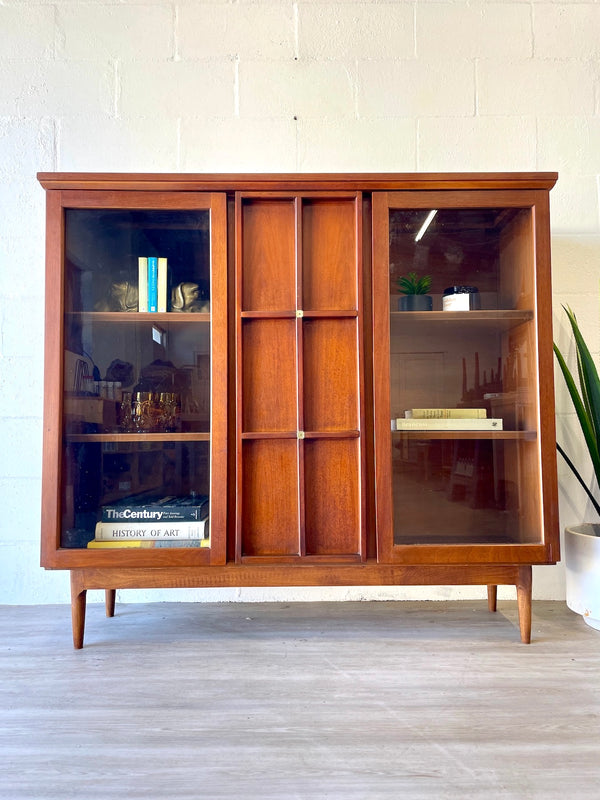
(586, 400)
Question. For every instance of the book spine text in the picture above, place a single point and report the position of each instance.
(110, 531)
(152, 283)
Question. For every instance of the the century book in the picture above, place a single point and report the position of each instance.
(143, 508)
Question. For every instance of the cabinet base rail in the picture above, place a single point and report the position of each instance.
(110, 580)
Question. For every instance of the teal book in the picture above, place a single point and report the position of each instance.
(152, 283)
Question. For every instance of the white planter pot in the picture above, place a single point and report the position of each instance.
(582, 564)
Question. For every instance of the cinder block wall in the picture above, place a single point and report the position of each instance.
(291, 86)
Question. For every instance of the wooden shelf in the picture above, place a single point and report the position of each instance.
(137, 316)
(528, 436)
(138, 437)
(497, 319)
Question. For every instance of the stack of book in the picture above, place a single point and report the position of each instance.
(154, 522)
(446, 419)
(152, 283)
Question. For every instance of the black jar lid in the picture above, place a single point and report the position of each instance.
(461, 290)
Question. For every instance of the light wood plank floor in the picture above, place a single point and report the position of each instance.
(314, 701)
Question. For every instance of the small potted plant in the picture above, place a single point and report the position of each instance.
(414, 291)
(582, 542)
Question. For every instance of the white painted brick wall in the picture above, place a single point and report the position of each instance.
(127, 32)
(302, 89)
(253, 31)
(281, 85)
(399, 89)
(532, 87)
(483, 30)
(361, 31)
(176, 89)
(28, 31)
(567, 31)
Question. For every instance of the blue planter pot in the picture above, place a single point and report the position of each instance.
(415, 302)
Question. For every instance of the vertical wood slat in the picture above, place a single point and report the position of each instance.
(365, 384)
(332, 376)
(381, 378)
(365, 210)
(238, 261)
(218, 378)
(53, 377)
(547, 419)
(300, 405)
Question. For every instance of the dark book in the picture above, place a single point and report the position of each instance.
(144, 509)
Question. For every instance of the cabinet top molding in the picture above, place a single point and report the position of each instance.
(296, 181)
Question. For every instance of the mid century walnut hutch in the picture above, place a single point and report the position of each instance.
(293, 369)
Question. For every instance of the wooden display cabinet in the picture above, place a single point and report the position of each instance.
(291, 369)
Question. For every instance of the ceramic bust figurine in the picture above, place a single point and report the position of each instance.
(185, 297)
(123, 296)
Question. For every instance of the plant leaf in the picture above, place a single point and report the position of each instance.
(595, 503)
(588, 375)
(411, 284)
(585, 421)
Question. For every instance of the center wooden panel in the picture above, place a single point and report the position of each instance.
(269, 255)
(329, 255)
(332, 497)
(270, 515)
(269, 371)
(299, 456)
(331, 386)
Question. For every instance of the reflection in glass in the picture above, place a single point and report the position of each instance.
(132, 378)
(461, 484)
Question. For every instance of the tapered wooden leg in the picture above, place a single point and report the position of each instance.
(78, 598)
(492, 592)
(110, 597)
(524, 584)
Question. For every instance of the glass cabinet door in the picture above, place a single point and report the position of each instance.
(457, 376)
(142, 304)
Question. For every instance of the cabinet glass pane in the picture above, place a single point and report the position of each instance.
(99, 475)
(136, 406)
(102, 248)
(463, 378)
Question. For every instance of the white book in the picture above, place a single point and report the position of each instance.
(445, 413)
(162, 284)
(476, 424)
(170, 531)
(142, 284)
